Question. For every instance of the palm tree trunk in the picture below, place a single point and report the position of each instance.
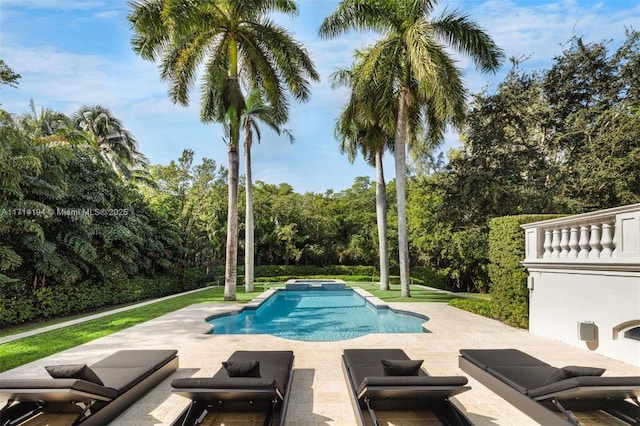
(231, 258)
(249, 225)
(400, 165)
(381, 213)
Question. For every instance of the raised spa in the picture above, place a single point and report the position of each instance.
(317, 313)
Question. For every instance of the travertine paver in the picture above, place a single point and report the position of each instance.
(319, 392)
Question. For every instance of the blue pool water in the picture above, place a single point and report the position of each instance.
(317, 315)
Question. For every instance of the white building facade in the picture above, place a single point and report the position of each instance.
(584, 281)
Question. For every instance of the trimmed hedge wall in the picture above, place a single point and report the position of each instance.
(62, 300)
(309, 270)
(509, 293)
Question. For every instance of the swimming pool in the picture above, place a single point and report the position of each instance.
(318, 315)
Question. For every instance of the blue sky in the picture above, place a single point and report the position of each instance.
(77, 52)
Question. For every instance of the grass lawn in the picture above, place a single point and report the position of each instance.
(28, 349)
(418, 294)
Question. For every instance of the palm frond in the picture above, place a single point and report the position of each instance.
(467, 37)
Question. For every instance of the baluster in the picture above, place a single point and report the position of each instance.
(584, 242)
(573, 243)
(564, 243)
(555, 244)
(607, 240)
(594, 241)
(547, 244)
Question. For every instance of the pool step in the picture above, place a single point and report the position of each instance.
(301, 285)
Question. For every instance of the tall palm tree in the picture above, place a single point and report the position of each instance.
(410, 65)
(108, 136)
(232, 40)
(359, 128)
(256, 109)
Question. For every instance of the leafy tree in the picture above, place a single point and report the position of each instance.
(593, 101)
(181, 194)
(233, 40)
(508, 161)
(410, 66)
(8, 76)
(561, 140)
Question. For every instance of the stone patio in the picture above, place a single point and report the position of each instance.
(319, 392)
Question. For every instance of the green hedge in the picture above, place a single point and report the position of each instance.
(509, 293)
(477, 306)
(430, 277)
(19, 306)
(296, 271)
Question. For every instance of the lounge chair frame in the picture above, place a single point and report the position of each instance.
(544, 408)
(404, 397)
(93, 409)
(205, 400)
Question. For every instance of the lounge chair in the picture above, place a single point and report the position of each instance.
(253, 381)
(97, 393)
(386, 379)
(548, 394)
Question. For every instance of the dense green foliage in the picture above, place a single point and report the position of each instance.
(72, 234)
(509, 293)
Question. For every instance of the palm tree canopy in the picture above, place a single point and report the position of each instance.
(359, 124)
(256, 109)
(410, 19)
(412, 56)
(230, 39)
(108, 136)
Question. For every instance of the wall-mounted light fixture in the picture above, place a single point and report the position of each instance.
(587, 331)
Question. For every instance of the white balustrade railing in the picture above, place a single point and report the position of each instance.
(603, 235)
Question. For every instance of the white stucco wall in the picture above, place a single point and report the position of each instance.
(560, 298)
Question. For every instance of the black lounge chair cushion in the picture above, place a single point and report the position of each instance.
(42, 389)
(403, 367)
(485, 358)
(372, 356)
(522, 378)
(411, 381)
(242, 368)
(571, 371)
(530, 376)
(125, 369)
(152, 358)
(275, 369)
(631, 383)
(73, 371)
(254, 383)
(274, 365)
